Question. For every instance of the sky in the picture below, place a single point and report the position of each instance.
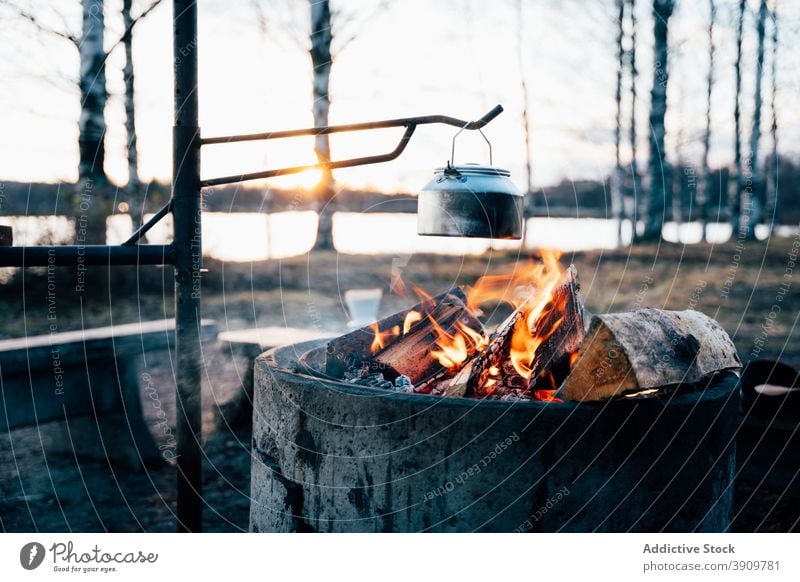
(407, 57)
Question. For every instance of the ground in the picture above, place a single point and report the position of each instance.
(750, 290)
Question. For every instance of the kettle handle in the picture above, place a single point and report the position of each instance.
(486, 139)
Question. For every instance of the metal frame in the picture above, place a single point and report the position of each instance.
(185, 252)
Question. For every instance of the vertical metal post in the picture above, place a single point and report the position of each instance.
(188, 263)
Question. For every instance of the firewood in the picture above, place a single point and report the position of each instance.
(410, 353)
(455, 385)
(648, 348)
(561, 322)
(495, 353)
(354, 348)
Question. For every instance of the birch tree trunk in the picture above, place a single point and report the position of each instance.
(526, 128)
(616, 179)
(658, 170)
(91, 196)
(633, 136)
(134, 184)
(773, 190)
(321, 60)
(754, 201)
(736, 201)
(92, 123)
(708, 186)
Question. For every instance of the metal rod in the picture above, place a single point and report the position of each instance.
(85, 255)
(332, 165)
(142, 230)
(188, 263)
(401, 122)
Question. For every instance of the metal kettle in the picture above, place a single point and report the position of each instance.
(471, 200)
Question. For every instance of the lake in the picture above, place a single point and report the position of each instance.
(251, 236)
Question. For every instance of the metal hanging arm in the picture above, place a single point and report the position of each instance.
(400, 122)
(410, 123)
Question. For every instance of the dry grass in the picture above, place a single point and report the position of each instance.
(737, 286)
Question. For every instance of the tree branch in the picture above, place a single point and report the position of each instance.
(22, 13)
(127, 32)
(341, 21)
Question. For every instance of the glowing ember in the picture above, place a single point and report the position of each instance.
(546, 396)
(641, 393)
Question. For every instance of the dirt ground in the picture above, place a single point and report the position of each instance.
(750, 290)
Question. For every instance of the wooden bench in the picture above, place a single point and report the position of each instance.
(250, 343)
(90, 380)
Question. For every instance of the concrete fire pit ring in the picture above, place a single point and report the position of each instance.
(335, 457)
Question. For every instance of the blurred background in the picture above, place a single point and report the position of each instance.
(657, 143)
(617, 111)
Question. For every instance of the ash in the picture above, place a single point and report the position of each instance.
(363, 376)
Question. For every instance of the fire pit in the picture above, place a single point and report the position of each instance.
(555, 420)
(336, 457)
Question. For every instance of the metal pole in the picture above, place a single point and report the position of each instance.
(188, 264)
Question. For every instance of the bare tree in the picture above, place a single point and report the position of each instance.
(735, 203)
(326, 25)
(321, 60)
(130, 106)
(526, 128)
(617, 207)
(134, 185)
(92, 194)
(92, 123)
(755, 193)
(633, 138)
(707, 181)
(658, 170)
(775, 163)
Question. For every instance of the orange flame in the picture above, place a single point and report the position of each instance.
(412, 317)
(379, 337)
(456, 347)
(531, 288)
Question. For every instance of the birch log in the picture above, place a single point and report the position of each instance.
(648, 348)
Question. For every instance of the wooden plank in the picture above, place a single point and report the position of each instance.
(648, 348)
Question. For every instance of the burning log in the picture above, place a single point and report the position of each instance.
(561, 323)
(644, 349)
(519, 354)
(413, 353)
(358, 347)
(489, 362)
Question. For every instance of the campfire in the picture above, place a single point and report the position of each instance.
(548, 349)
